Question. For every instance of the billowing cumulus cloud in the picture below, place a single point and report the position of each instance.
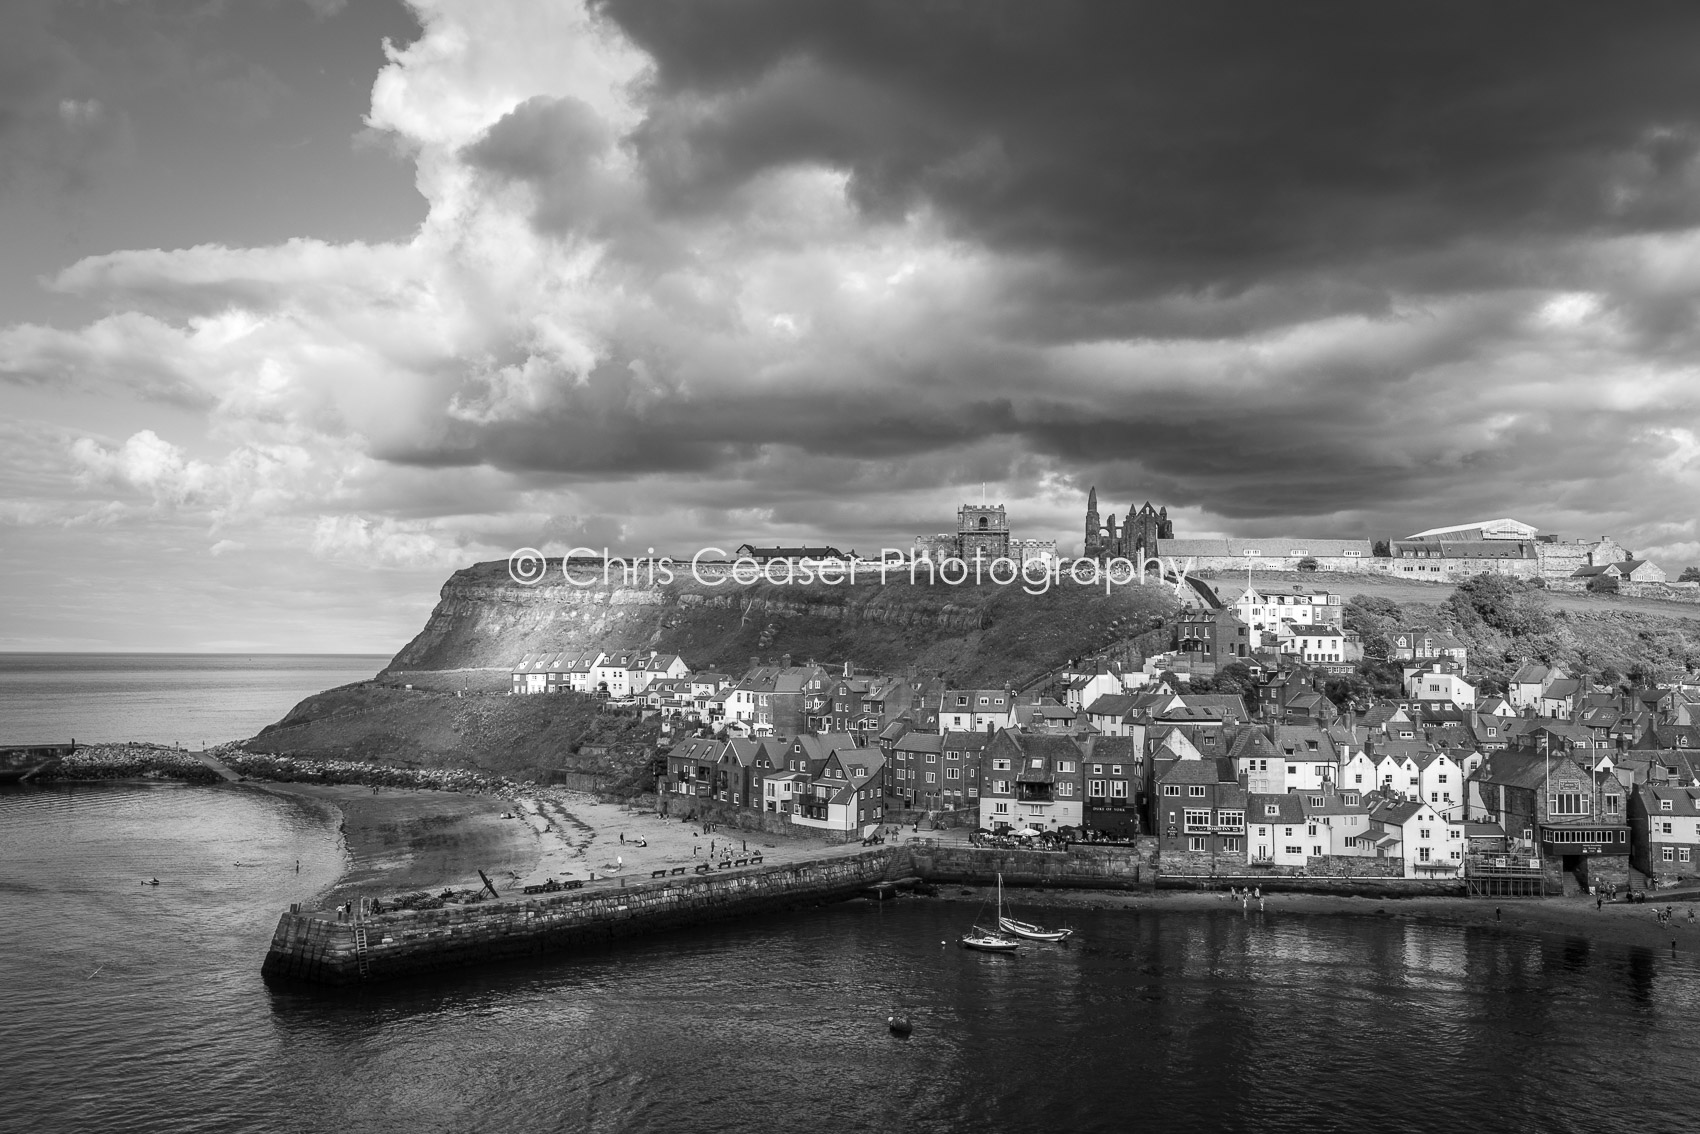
(712, 270)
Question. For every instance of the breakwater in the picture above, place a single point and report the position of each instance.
(316, 946)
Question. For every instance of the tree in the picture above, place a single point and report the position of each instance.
(1347, 691)
(1308, 563)
(1490, 687)
(1383, 678)
(1501, 603)
(1382, 549)
(1609, 676)
(1603, 585)
(1689, 575)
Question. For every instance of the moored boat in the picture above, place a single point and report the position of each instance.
(988, 942)
(1027, 929)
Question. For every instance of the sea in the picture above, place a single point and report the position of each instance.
(191, 699)
(140, 1008)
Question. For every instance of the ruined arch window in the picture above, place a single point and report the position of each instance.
(983, 521)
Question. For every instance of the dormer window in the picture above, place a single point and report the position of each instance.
(1664, 805)
(1272, 810)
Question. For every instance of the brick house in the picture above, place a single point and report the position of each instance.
(1199, 815)
(1031, 780)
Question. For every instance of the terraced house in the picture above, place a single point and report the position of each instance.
(1031, 780)
(1665, 819)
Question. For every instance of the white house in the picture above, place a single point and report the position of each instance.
(1430, 844)
(1358, 773)
(1530, 682)
(1439, 682)
(655, 667)
(977, 710)
(1277, 831)
(1342, 823)
(1313, 643)
(1442, 784)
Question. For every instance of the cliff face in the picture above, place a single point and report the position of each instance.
(992, 633)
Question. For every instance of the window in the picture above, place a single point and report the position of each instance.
(1295, 850)
(1098, 770)
(1118, 789)
(1095, 789)
(1115, 769)
(1664, 805)
(1358, 779)
(1423, 854)
(1312, 833)
(1066, 788)
(1000, 808)
(1422, 832)
(1668, 854)
(1171, 789)
(1568, 803)
(1682, 854)
(932, 757)
(1065, 765)
(1000, 765)
(1197, 819)
(1292, 769)
(953, 773)
(1272, 810)
(1195, 791)
(1197, 843)
(1232, 846)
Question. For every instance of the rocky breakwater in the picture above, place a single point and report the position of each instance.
(318, 947)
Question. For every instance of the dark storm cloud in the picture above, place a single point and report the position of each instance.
(1191, 145)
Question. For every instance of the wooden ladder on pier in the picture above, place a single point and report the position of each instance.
(362, 958)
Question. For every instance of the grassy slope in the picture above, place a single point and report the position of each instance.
(523, 737)
(1589, 631)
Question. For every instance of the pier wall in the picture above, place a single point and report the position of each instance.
(1086, 867)
(313, 947)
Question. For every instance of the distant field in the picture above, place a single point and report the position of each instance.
(1404, 591)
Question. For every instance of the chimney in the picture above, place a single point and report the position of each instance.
(848, 671)
(785, 661)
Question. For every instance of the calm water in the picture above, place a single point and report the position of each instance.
(143, 1009)
(192, 698)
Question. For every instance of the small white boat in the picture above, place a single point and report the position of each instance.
(988, 942)
(1033, 932)
(1027, 929)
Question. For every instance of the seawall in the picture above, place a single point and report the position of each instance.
(317, 947)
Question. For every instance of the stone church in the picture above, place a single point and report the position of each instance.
(1135, 540)
(982, 532)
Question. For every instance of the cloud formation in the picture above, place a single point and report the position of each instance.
(723, 269)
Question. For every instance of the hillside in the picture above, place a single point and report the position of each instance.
(971, 635)
(443, 701)
(520, 737)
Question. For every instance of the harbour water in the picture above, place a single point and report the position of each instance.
(194, 699)
(141, 1008)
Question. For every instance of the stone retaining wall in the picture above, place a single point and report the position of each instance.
(1083, 866)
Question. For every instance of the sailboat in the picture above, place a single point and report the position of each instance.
(988, 941)
(1025, 928)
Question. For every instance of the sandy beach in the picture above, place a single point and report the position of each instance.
(399, 841)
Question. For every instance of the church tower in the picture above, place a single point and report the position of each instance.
(1094, 532)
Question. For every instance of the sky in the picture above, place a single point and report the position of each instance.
(307, 303)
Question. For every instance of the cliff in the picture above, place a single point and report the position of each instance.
(442, 700)
(971, 634)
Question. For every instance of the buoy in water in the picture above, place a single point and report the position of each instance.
(155, 882)
(899, 1025)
